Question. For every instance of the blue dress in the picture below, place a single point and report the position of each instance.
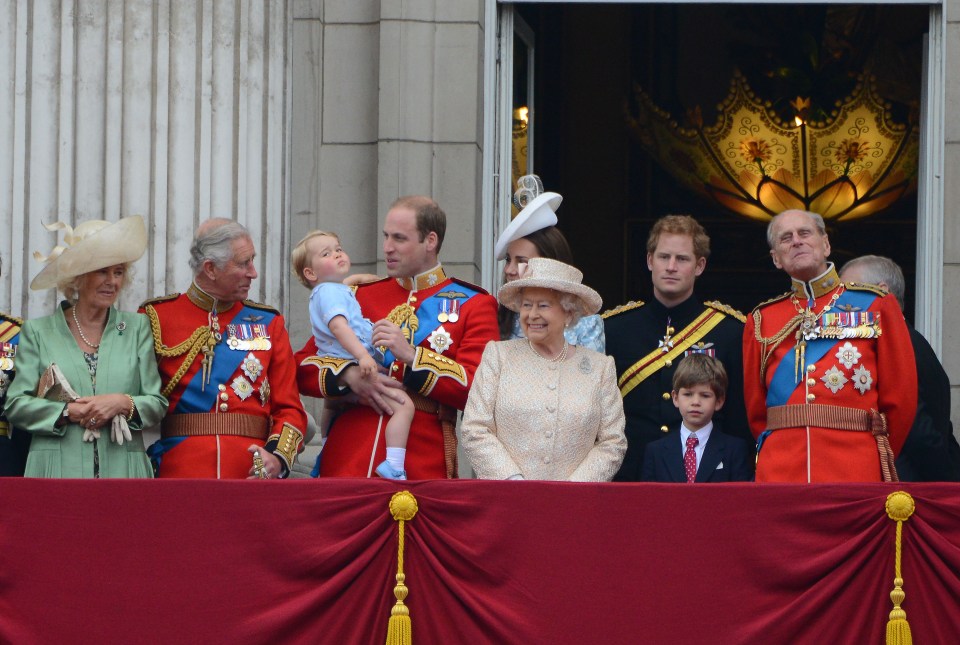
(588, 332)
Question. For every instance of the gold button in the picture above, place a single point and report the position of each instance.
(811, 382)
(666, 396)
(412, 298)
(811, 396)
(222, 387)
(668, 363)
(223, 407)
(811, 367)
(394, 367)
(664, 429)
(224, 396)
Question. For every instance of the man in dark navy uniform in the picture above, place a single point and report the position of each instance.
(647, 340)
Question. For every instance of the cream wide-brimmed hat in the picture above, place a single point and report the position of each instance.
(539, 211)
(92, 245)
(544, 273)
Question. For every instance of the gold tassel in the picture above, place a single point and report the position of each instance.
(900, 507)
(403, 506)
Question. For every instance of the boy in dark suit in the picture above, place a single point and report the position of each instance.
(698, 451)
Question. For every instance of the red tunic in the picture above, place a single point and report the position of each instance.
(261, 383)
(852, 372)
(447, 357)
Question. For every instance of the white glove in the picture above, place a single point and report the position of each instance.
(120, 431)
(89, 435)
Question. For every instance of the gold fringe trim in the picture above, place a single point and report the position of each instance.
(900, 506)
(403, 507)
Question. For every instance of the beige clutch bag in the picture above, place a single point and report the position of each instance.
(54, 386)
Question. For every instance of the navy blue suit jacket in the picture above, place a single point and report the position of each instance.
(663, 459)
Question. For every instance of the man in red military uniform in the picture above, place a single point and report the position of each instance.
(433, 328)
(227, 368)
(829, 375)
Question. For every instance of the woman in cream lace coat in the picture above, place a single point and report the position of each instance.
(540, 408)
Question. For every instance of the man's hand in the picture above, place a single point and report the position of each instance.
(374, 391)
(271, 463)
(389, 335)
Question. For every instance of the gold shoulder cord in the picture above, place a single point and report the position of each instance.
(191, 347)
(768, 345)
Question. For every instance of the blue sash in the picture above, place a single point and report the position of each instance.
(428, 311)
(196, 398)
(784, 380)
(158, 448)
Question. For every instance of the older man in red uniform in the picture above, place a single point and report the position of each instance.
(829, 375)
(434, 329)
(227, 368)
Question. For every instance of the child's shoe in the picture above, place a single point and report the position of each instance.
(386, 471)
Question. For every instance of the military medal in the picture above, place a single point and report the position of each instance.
(8, 352)
(242, 387)
(252, 367)
(667, 343)
(246, 337)
(809, 329)
(265, 392)
(440, 340)
(454, 311)
(862, 379)
(444, 316)
(702, 348)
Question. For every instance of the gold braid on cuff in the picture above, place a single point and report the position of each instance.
(288, 444)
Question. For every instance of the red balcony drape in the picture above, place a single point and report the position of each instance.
(486, 562)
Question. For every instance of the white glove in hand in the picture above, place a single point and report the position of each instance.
(89, 435)
(120, 431)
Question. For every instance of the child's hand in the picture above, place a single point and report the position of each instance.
(368, 367)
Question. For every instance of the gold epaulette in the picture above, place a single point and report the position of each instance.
(13, 319)
(633, 304)
(726, 309)
(860, 286)
(470, 285)
(261, 306)
(782, 296)
(159, 299)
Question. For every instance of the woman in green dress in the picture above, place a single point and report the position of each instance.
(99, 361)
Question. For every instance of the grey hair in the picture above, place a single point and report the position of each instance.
(568, 302)
(816, 218)
(571, 305)
(216, 245)
(877, 269)
(70, 287)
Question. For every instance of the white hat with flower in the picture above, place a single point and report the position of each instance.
(90, 246)
(545, 273)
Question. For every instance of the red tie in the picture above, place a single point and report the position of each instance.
(690, 458)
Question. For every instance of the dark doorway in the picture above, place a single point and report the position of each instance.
(588, 58)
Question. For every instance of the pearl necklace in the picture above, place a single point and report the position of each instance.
(556, 359)
(80, 330)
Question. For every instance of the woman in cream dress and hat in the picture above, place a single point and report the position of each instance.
(540, 407)
(87, 379)
(533, 233)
